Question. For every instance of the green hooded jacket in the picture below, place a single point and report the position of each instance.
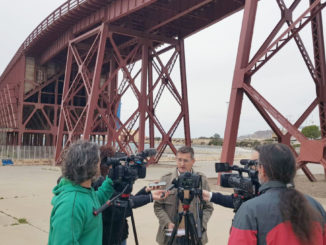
(72, 220)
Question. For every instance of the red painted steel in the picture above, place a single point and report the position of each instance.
(96, 94)
(311, 151)
(233, 117)
(70, 74)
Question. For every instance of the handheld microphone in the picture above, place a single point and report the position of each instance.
(167, 189)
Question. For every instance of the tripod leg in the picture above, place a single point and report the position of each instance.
(188, 236)
(175, 229)
(192, 229)
(134, 227)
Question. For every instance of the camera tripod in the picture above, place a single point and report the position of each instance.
(193, 231)
(122, 202)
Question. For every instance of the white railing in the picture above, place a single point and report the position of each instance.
(26, 152)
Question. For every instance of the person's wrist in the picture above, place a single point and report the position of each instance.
(210, 195)
(150, 197)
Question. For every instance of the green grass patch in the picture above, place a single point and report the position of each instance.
(22, 221)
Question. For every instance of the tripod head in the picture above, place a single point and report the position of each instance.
(189, 186)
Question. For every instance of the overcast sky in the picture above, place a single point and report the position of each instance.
(210, 58)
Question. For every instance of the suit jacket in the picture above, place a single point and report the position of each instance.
(166, 210)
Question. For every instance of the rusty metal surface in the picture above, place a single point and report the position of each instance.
(181, 17)
(311, 151)
(64, 84)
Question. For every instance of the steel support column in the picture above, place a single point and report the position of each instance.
(311, 151)
(151, 103)
(60, 134)
(143, 96)
(320, 66)
(113, 105)
(95, 89)
(186, 123)
(239, 77)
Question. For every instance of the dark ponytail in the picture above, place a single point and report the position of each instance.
(279, 164)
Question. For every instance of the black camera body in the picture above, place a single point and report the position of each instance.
(188, 185)
(126, 169)
(188, 181)
(245, 188)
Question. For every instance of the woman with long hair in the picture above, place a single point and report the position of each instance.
(280, 214)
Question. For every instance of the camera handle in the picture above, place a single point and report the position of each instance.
(109, 202)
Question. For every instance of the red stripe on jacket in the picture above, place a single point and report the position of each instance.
(284, 234)
(243, 237)
(280, 234)
(324, 243)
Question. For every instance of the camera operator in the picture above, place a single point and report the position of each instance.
(113, 232)
(72, 220)
(280, 214)
(167, 209)
(226, 200)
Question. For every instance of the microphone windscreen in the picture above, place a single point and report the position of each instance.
(150, 152)
(244, 161)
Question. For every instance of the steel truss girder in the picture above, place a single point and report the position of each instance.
(8, 108)
(39, 108)
(312, 151)
(99, 115)
(28, 114)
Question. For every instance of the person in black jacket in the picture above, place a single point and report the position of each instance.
(115, 228)
(226, 200)
(115, 225)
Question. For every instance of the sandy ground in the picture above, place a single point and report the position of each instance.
(25, 192)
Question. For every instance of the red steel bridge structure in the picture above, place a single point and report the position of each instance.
(68, 77)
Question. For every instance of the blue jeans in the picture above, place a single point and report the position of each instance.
(124, 242)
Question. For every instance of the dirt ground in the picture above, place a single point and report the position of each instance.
(315, 189)
(26, 193)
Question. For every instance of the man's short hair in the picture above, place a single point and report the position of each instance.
(187, 149)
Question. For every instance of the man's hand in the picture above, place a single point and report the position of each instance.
(159, 194)
(170, 226)
(151, 188)
(206, 195)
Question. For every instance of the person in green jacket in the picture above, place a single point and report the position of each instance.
(72, 220)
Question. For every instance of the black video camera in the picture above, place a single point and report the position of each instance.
(188, 183)
(245, 188)
(126, 169)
